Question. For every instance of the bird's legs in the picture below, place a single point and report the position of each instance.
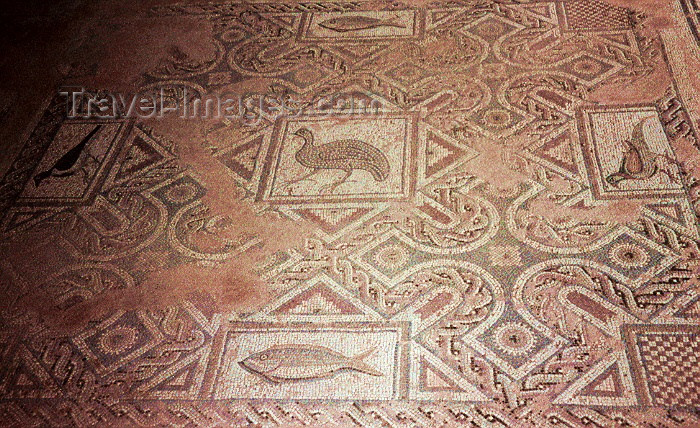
(337, 183)
(288, 184)
(85, 175)
(94, 166)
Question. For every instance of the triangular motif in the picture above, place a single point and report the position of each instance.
(286, 19)
(242, 159)
(20, 218)
(181, 380)
(317, 300)
(670, 211)
(332, 220)
(559, 151)
(607, 383)
(434, 380)
(246, 158)
(141, 155)
(360, 52)
(542, 10)
(619, 38)
(440, 15)
(27, 378)
(439, 154)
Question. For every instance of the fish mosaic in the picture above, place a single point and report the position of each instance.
(356, 23)
(289, 363)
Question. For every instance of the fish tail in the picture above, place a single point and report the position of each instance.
(392, 23)
(359, 365)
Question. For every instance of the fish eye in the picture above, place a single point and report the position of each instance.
(263, 357)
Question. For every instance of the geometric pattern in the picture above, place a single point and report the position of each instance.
(594, 15)
(671, 364)
(118, 340)
(666, 363)
(635, 257)
(511, 344)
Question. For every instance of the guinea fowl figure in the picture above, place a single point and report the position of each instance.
(346, 155)
(638, 161)
(71, 162)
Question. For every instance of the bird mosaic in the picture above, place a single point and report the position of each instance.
(71, 162)
(639, 162)
(346, 155)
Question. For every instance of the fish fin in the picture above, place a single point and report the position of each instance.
(359, 365)
(273, 379)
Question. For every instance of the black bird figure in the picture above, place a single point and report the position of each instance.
(68, 164)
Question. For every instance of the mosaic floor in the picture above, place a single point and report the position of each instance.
(492, 222)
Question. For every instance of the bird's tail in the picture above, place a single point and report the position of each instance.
(379, 172)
